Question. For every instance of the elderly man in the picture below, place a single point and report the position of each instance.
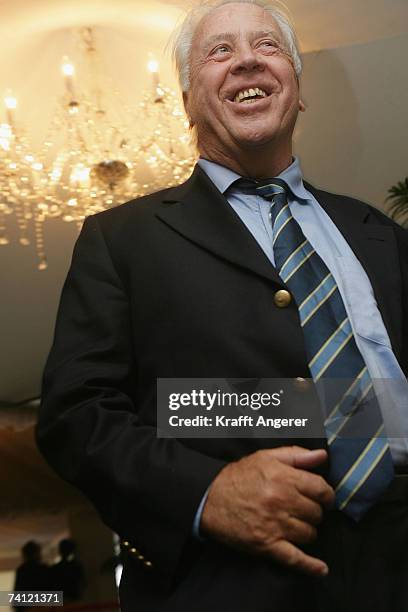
(243, 271)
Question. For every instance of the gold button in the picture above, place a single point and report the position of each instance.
(301, 384)
(282, 298)
(140, 557)
(148, 564)
(125, 543)
(134, 551)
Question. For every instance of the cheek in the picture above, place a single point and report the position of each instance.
(205, 104)
(211, 79)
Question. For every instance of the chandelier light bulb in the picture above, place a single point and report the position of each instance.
(5, 136)
(67, 68)
(153, 66)
(10, 101)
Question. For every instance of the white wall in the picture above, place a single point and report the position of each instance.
(353, 137)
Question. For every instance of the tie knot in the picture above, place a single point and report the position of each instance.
(267, 188)
(270, 188)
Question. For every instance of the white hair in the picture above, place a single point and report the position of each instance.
(183, 36)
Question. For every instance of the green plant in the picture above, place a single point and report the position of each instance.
(398, 199)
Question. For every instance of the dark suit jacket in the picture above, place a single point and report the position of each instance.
(174, 285)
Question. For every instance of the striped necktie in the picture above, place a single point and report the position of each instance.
(361, 466)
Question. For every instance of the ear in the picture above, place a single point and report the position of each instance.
(302, 106)
(186, 105)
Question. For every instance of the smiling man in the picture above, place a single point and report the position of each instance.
(244, 90)
(243, 271)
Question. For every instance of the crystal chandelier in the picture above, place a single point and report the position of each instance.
(98, 152)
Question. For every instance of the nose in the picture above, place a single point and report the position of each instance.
(246, 60)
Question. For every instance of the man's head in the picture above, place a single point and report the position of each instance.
(66, 548)
(238, 66)
(31, 551)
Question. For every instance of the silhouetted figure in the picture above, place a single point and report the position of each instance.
(32, 574)
(68, 574)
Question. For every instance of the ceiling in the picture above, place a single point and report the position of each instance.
(320, 23)
(34, 35)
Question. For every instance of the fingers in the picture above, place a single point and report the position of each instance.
(310, 459)
(315, 488)
(267, 503)
(310, 485)
(300, 532)
(288, 554)
(307, 510)
(298, 457)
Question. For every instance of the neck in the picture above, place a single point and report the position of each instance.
(253, 162)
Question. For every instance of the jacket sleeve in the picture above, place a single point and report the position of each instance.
(145, 488)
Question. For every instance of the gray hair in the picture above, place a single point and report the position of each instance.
(182, 38)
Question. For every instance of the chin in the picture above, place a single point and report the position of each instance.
(253, 139)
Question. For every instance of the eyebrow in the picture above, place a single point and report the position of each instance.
(231, 36)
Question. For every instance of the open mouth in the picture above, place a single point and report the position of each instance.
(249, 96)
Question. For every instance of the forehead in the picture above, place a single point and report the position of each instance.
(235, 18)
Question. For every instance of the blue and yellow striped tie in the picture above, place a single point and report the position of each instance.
(361, 466)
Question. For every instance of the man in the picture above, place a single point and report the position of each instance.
(68, 575)
(33, 574)
(188, 283)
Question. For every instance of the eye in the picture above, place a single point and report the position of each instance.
(269, 43)
(220, 50)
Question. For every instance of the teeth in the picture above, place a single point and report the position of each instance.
(248, 93)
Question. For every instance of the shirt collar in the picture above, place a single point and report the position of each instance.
(223, 177)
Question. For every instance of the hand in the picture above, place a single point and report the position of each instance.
(268, 502)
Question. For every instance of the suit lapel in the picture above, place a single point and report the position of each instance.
(198, 211)
(375, 247)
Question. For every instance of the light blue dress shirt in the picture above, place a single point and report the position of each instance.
(354, 285)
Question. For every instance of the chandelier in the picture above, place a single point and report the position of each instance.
(98, 152)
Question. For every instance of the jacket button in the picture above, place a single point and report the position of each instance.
(282, 298)
(302, 384)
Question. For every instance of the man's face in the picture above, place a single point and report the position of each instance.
(236, 48)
